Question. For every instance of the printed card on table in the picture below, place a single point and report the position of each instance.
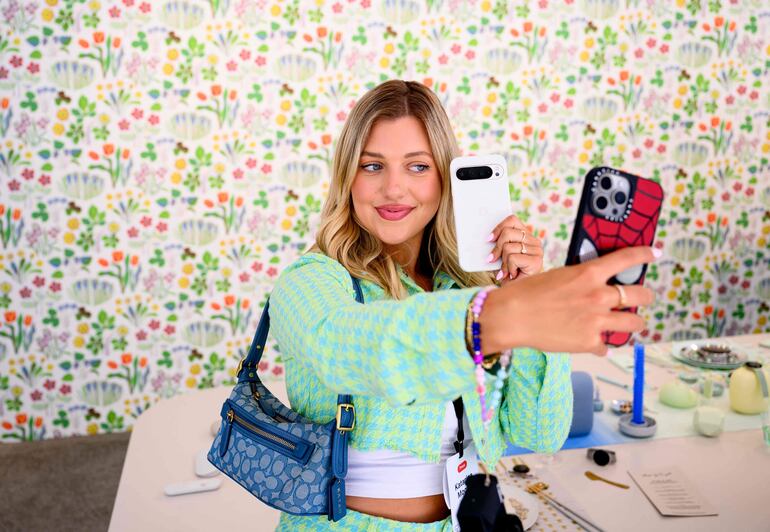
(671, 492)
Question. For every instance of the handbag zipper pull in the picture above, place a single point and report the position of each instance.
(225, 441)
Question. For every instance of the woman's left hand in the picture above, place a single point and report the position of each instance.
(520, 250)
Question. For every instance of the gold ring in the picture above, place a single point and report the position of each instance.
(622, 292)
(523, 249)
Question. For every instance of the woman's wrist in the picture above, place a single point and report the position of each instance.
(501, 325)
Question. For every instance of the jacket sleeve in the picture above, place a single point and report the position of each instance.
(537, 409)
(409, 351)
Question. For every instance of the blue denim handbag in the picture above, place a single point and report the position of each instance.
(285, 460)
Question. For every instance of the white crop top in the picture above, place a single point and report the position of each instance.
(386, 474)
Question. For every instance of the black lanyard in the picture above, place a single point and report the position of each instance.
(458, 404)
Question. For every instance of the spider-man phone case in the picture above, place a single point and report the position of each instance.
(616, 210)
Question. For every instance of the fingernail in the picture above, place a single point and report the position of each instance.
(491, 237)
(499, 275)
(491, 257)
(658, 253)
(510, 275)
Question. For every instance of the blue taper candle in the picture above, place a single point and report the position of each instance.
(638, 416)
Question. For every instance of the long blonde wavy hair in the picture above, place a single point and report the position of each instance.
(341, 236)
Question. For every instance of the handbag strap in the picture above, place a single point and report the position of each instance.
(247, 368)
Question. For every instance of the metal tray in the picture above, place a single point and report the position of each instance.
(708, 354)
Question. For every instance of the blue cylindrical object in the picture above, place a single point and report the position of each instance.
(638, 412)
(582, 404)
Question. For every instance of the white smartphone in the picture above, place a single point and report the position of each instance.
(480, 200)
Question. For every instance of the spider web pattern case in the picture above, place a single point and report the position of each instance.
(616, 210)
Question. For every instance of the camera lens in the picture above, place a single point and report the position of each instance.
(476, 172)
(601, 203)
(606, 183)
(620, 197)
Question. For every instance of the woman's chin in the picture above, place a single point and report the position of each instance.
(392, 238)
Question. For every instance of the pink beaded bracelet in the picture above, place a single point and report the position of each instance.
(476, 306)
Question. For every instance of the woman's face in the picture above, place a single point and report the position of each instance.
(397, 188)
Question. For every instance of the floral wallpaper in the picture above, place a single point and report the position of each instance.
(161, 162)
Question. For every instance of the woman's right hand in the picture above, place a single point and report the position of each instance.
(566, 309)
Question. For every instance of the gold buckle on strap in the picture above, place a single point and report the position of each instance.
(346, 406)
(240, 367)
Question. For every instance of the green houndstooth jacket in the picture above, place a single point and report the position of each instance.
(402, 361)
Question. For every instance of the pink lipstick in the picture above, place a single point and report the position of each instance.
(394, 212)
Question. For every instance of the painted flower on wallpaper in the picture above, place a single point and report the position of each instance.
(531, 38)
(161, 164)
(104, 51)
(26, 427)
(11, 225)
(531, 141)
(19, 329)
(628, 88)
(228, 209)
(219, 102)
(133, 370)
(116, 163)
(122, 267)
(718, 133)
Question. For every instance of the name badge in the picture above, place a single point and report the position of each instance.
(456, 471)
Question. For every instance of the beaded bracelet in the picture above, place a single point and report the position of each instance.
(490, 359)
(486, 413)
(478, 358)
(502, 373)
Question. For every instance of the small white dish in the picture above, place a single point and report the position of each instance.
(204, 468)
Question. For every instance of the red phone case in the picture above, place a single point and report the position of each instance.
(616, 210)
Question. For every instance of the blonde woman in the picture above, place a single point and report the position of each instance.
(403, 354)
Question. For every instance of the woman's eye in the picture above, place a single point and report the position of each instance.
(375, 167)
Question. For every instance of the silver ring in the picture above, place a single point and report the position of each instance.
(523, 235)
(622, 292)
(523, 248)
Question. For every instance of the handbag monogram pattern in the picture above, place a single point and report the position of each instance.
(282, 458)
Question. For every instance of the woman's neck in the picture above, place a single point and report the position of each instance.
(413, 269)
(407, 255)
(423, 280)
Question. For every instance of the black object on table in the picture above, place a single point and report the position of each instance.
(482, 508)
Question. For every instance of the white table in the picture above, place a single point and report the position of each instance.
(161, 451)
(732, 472)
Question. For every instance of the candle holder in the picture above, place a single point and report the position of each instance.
(646, 429)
